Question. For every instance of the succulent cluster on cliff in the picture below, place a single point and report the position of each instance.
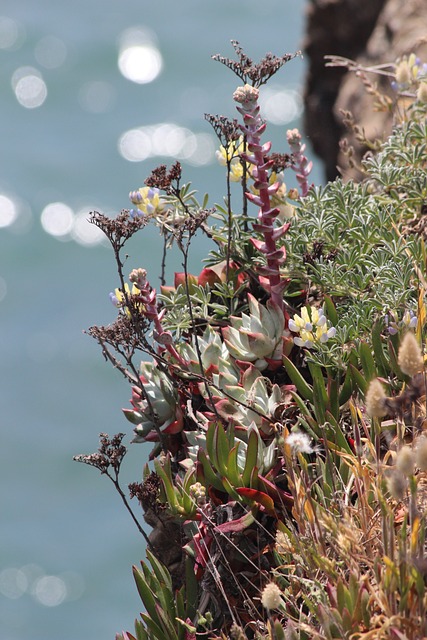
(282, 387)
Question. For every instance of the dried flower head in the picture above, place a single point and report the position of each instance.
(283, 543)
(421, 454)
(397, 484)
(375, 399)
(299, 442)
(410, 358)
(422, 92)
(405, 461)
(271, 596)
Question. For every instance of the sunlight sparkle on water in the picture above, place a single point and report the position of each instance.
(47, 590)
(167, 139)
(29, 87)
(139, 58)
(280, 106)
(12, 33)
(8, 211)
(83, 231)
(60, 221)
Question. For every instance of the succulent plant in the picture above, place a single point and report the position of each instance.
(257, 337)
(211, 349)
(155, 404)
(251, 403)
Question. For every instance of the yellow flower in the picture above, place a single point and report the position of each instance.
(312, 327)
(148, 200)
(118, 298)
(231, 156)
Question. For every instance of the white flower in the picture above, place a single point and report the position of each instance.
(271, 596)
(299, 442)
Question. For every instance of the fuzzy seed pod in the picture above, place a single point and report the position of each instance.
(421, 454)
(405, 461)
(422, 92)
(375, 399)
(271, 596)
(397, 485)
(410, 358)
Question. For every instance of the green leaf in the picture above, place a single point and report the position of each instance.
(210, 477)
(222, 449)
(145, 594)
(383, 366)
(141, 633)
(346, 388)
(228, 487)
(155, 630)
(168, 486)
(301, 384)
(251, 458)
(331, 312)
(232, 468)
(160, 571)
(332, 387)
(393, 361)
(368, 362)
(191, 589)
(358, 380)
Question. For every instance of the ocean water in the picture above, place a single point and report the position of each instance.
(93, 95)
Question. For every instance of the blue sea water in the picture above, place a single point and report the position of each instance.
(71, 129)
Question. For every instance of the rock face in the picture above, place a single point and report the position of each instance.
(371, 32)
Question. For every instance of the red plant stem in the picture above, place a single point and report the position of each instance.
(253, 128)
(148, 297)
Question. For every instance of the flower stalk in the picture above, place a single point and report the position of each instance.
(253, 128)
(148, 297)
(302, 166)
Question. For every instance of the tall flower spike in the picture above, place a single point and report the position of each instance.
(147, 296)
(302, 166)
(253, 128)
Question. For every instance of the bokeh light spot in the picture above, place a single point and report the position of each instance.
(96, 96)
(135, 145)
(50, 52)
(3, 289)
(57, 219)
(29, 87)
(140, 63)
(83, 231)
(13, 583)
(167, 139)
(8, 211)
(11, 33)
(280, 106)
(49, 591)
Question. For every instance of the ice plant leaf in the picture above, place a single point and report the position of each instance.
(259, 497)
(210, 477)
(240, 524)
(146, 595)
(301, 384)
(251, 457)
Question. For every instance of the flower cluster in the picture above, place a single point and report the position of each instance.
(409, 71)
(148, 201)
(312, 327)
(231, 156)
(393, 325)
